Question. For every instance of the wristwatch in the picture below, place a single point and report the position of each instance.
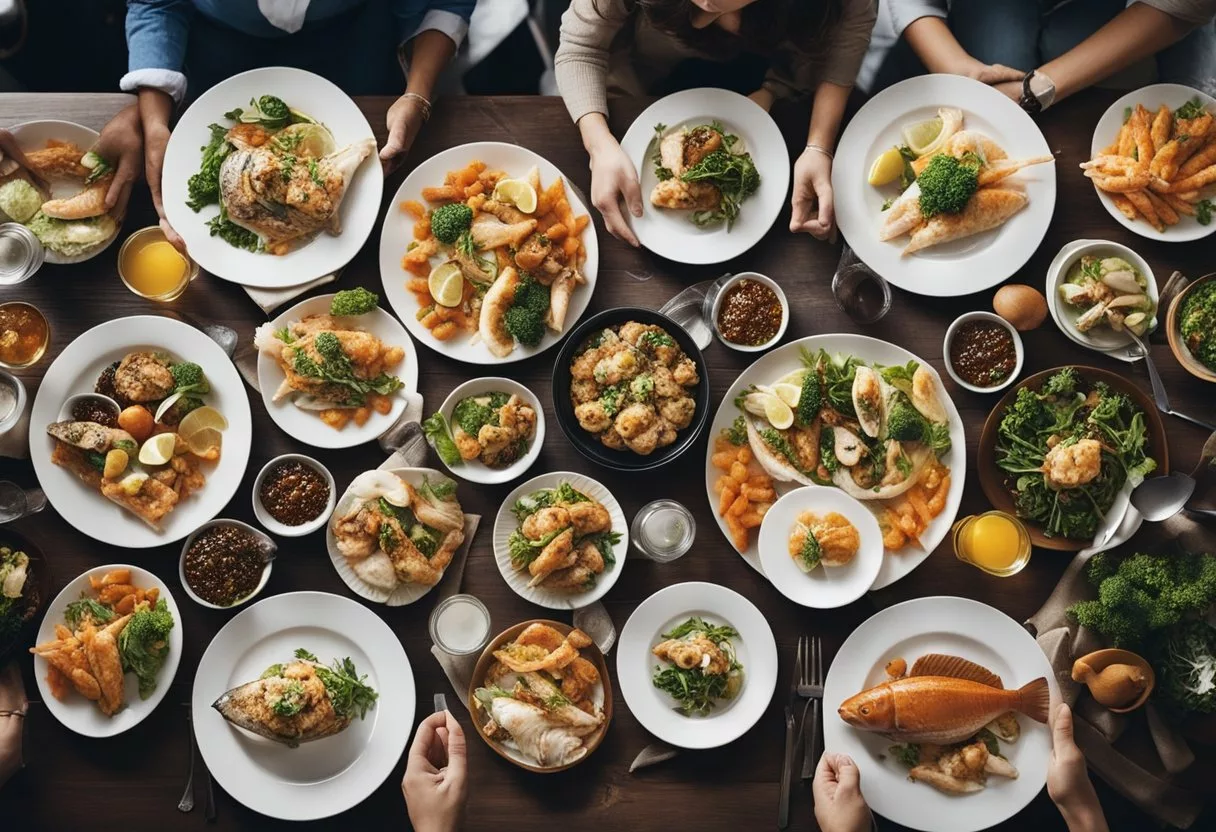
(1038, 92)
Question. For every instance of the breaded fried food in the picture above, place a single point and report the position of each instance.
(58, 160)
(988, 208)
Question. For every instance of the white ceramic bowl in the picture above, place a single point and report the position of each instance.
(282, 529)
(220, 521)
(764, 281)
(1018, 350)
(474, 470)
(1100, 338)
(65, 412)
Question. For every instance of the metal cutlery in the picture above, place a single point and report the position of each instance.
(812, 690)
(1160, 397)
(791, 739)
(186, 804)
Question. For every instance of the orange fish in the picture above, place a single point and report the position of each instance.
(942, 700)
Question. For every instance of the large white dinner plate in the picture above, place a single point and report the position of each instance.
(672, 234)
(305, 425)
(75, 370)
(786, 359)
(398, 233)
(1107, 130)
(755, 648)
(324, 777)
(823, 587)
(555, 599)
(325, 253)
(404, 593)
(963, 266)
(956, 627)
(78, 713)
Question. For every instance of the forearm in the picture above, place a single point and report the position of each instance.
(595, 132)
(936, 46)
(155, 109)
(1088, 818)
(431, 51)
(1137, 32)
(826, 113)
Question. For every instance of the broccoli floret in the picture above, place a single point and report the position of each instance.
(448, 222)
(904, 422)
(329, 346)
(525, 320)
(810, 400)
(275, 112)
(947, 184)
(144, 643)
(188, 378)
(204, 186)
(357, 301)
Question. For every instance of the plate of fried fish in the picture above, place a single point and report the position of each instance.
(143, 431)
(271, 178)
(303, 704)
(714, 172)
(943, 703)
(108, 650)
(943, 185)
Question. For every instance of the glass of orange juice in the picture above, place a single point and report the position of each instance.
(994, 541)
(152, 268)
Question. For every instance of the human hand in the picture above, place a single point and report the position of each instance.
(156, 139)
(1068, 780)
(992, 74)
(12, 716)
(812, 206)
(435, 782)
(405, 119)
(839, 805)
(613, 179)
(1012, 89)
(121, 145)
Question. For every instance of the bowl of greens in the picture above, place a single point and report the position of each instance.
(1060, 446)
(24, 580)
(488, 430)
(1190, 325)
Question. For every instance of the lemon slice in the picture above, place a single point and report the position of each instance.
(204, 440)
(446, 284)
(922, 136)
(158, 449)
(778, 413)
(519, 193)
(788, 393)
(203, 417)
(886, 168)
(165, 405)
(313, 142)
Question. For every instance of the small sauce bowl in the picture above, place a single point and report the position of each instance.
(729, 284)
(69, 404)
(282, 529)
(270, 547)
(1019, 351)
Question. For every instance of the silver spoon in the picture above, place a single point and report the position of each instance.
(1160, 498)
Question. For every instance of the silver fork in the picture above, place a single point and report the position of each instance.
(186, 804)
(810, 687)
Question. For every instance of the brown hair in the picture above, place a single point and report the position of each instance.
(765, 25)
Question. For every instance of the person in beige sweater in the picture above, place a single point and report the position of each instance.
(632, 47)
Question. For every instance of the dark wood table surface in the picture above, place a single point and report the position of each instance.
(136, 779)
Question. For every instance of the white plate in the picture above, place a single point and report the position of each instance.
(76, 712)
(305, 425)
(1107, 130)
(671, 234)
(75, 370)
(963, 266)
(956, 627)
(785, 359)
(398, 233)
(33, 135)
(1100, 339)
(755, 648)
(505, 523)
(324, 254)
(320, 778)
(474, 470)
(404, 593)
(823, 587)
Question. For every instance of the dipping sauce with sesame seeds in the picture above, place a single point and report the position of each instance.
(982, 353)
(749, 314)
(294, 493)
(95, 409)
(224, 564)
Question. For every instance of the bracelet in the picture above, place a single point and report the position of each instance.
(20, 714)
(426, 105)
(821, 149)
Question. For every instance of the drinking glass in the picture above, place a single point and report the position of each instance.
(663, 530)
(460, 625)
(860, 292)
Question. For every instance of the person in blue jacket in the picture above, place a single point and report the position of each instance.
(177, 49)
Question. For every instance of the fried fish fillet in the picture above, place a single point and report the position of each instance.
(290, 706)
(987, 209)
(685, 196)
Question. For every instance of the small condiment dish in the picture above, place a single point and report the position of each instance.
(282, 529)
(270, 547)
(474, 470)
(1173, 330)
(730, 283)
(1101, 338)
(1089, 669)
(1019, 351)
(69, 404)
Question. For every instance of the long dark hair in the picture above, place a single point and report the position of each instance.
(765, 25)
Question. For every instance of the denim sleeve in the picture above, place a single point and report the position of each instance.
(905, 12)
(156, 33)
(448, 16)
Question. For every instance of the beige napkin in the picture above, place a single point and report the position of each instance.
(13, 706)
(1139, 764)
(271, 299)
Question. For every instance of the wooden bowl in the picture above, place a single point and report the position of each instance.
(1099, 660)
(1173, 332)
(37, 590)
(992, 478)
(591, 654)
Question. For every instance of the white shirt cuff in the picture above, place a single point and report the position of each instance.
(450, 23)
(166, 80)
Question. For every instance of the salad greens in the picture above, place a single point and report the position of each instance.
(143, 645)
(729, 168)
(14, 572)
(696, 691)
(349, 694)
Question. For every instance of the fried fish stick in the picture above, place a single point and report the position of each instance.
(1145, 206)
(1179, 205)
(1141, 135)
(1162, 126)
(1163, 161)
(1194, 182)
(102, 652)
(1202, 159)
(997, 171)
(1126, 141)
(1167, 214)
(1125, 206)
(1137, 181)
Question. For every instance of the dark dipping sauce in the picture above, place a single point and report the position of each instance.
(294, 493)
(982, 353)
(224, 564)
(749, 314)
(95, 410)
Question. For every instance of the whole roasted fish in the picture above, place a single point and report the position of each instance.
(942, 700)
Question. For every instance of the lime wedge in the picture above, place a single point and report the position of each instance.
(921, 136)
(517, 192)
(158, 449)
(886, 168)
(203, 417)
(310, 141)
(447, 284)
(778, 413)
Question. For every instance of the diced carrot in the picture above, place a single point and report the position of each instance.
(738, 472)
(738, 506)
(726, 499)
(422, 228)
(414, 208)
(751, 519)
(722, 459)
(744, 454)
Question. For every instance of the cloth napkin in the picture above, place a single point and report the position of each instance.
(13, 706)
(271, 299)
(1139, 764)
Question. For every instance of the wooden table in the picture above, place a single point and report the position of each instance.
(74, 782)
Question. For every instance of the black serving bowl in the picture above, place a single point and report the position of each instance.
(35, 595)
(588, 444)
